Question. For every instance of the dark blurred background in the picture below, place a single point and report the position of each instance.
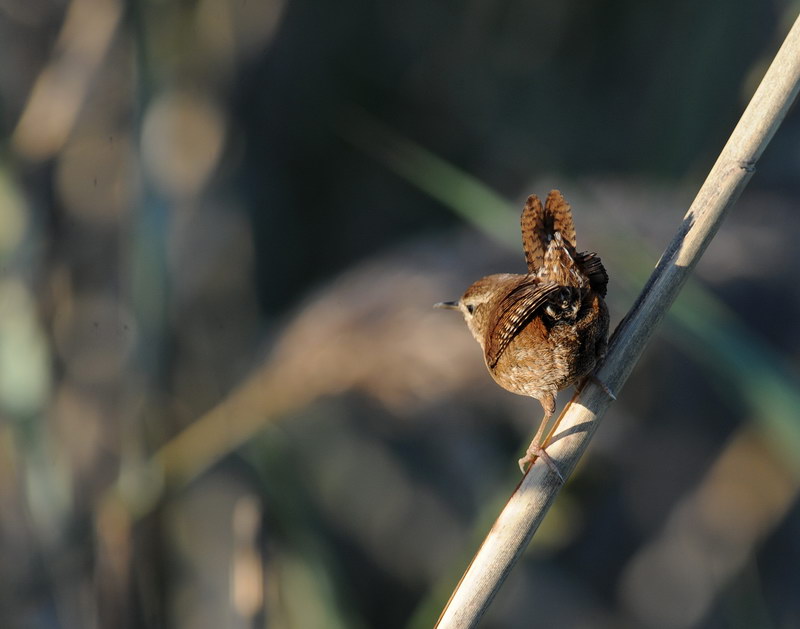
(225, 400)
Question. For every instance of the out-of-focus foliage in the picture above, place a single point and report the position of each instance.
(225, 400)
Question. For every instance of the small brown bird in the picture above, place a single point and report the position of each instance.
(546, 330)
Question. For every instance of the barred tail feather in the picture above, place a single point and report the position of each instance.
(532, 223)
(558, 217)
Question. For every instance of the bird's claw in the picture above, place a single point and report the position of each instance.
(534, 452)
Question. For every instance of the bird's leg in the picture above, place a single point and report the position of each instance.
(535, 449)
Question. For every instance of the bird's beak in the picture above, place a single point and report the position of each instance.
(447, 305)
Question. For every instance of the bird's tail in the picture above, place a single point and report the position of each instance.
(541, 224)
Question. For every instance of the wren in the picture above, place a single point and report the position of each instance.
(548, 329)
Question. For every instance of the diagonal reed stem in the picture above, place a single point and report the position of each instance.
(524, 511)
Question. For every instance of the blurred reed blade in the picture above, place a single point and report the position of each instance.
(467, 196)
(61, 88)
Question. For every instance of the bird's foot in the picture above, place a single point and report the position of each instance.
(534, 451)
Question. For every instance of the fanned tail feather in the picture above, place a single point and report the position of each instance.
(532, 223)
(540, 223)
(558, 218)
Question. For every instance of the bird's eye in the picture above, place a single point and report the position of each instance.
(470, 308)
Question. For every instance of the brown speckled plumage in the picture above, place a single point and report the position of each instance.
(545, 330)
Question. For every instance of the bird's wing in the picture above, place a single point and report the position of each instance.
(513, 312)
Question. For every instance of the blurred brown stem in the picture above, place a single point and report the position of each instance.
(532, 498)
